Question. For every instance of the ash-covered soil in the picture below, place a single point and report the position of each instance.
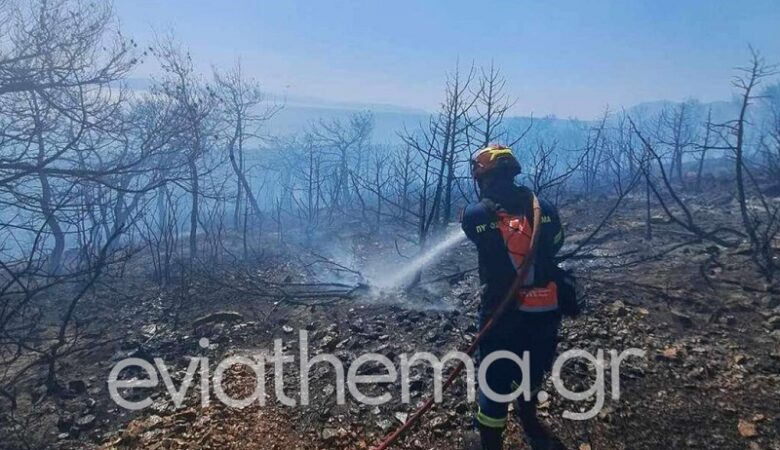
(710, 327)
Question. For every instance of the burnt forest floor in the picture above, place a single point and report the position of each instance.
(710, 378)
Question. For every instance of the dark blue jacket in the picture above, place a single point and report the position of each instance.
(496, 272)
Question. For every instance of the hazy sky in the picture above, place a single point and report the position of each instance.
(569, 58)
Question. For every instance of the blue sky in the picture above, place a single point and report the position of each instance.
(568, 58)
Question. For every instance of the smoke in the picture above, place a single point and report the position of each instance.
(394, 278)
(383, 273)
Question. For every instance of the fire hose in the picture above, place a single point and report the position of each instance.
(504, 306)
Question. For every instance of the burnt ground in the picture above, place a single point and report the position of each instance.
(710, 378)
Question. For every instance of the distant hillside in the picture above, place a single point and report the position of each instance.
(722, 111)
(388, 121)
(300, 112)
(297, 115)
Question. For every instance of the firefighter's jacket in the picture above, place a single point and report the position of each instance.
(501, 228)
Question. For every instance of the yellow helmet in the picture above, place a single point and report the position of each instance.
(492, 158)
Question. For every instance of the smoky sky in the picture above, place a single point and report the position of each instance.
(568, 58)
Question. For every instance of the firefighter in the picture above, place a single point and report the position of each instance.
(501, 227)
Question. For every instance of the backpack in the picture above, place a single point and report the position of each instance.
(570, 303)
